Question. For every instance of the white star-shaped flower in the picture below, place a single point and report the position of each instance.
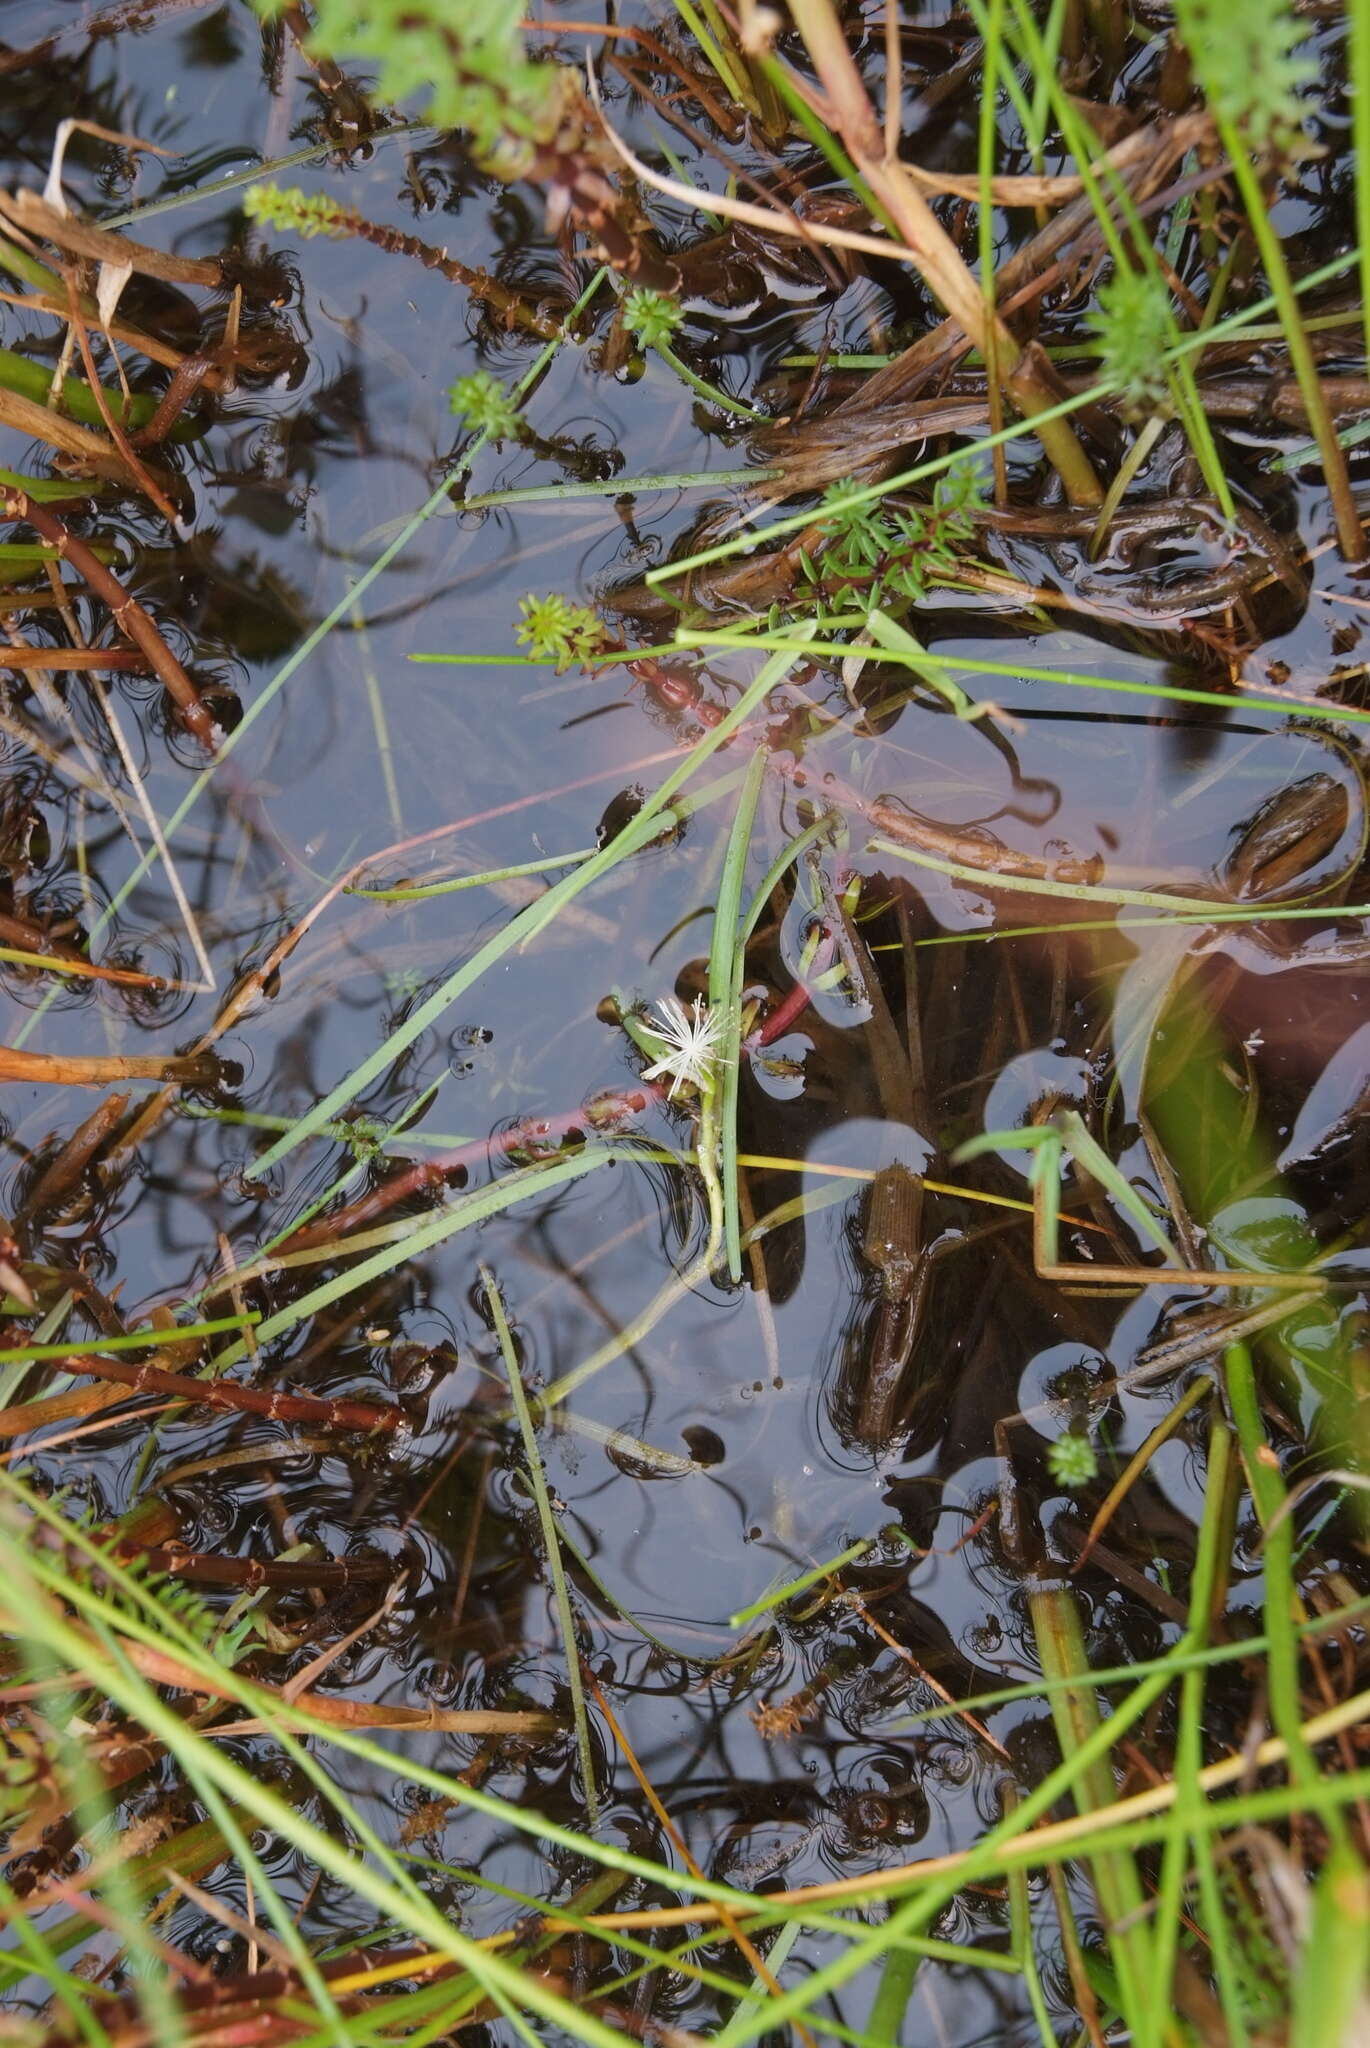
(693, 1039)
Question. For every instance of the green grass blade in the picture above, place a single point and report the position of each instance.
(413, 1240)
(646, 825)
(725, 984)
(537, 1479)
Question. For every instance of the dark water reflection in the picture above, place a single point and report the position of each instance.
(300, 484)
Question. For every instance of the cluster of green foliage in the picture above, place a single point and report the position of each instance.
(886, 554)
(554, 629)
(1132, 320)
(1247, 57)
(651, 317)
(485, 405)
(466, 64)
(290, 211)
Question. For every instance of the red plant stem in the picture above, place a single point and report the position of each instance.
(129, 615)
(251, 1573)
(792, 1006)
(533, 1134)
(351, 1415)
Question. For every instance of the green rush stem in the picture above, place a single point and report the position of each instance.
(1268, 1497)
(729, 71)
(706, 390)
(612, 487)
(1350, 536)
(727, 965)
(1066, 679)
(422, 891)
(1059, 1636)
(1360, 133)
(1188, 1758)
(254, 175)
(778, 1595)
(707, 1147)
(988, 135)
(537, 1479)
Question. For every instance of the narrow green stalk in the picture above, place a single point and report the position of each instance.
(704, 388)
(537, 1479)
(1185, 1839)
(32, 380)
(1358, 17)
(1069, 679)
(725, 984)
(986, 139)
(1268, 1496)
(1350, 536)
(422, 891)
(1059, 1637)
(1020, 1935)
(728, 68)
(778, 1595)
(611, 487)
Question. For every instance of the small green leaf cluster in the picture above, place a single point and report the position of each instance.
(887, 552)
(1072, 1460)
(1247, 58)
(292, 212)
(136, 1587)
(554, 629)
(466, 63)
(486, 406)
(1131, 321)
(651, 317)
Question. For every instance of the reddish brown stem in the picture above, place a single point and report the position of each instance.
(315, 1409)
(58, 658)
(61, 1176)
(129, 615)
(136, 468)
(72, 1071)
(252, 1573)
(541, 1135)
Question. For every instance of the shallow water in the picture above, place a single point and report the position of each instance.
(353, 749)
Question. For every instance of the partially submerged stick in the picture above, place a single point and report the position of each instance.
(75, 1071)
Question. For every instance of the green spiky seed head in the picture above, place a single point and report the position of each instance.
(485, 405)
(1134, 329)
(650, 316)
(289, 211)
(1247, 58)
(554, 629)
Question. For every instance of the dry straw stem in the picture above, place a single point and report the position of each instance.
(340, 1713)
(41, 423)
(100, 245)
(1032, 1846)
(939, 262)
